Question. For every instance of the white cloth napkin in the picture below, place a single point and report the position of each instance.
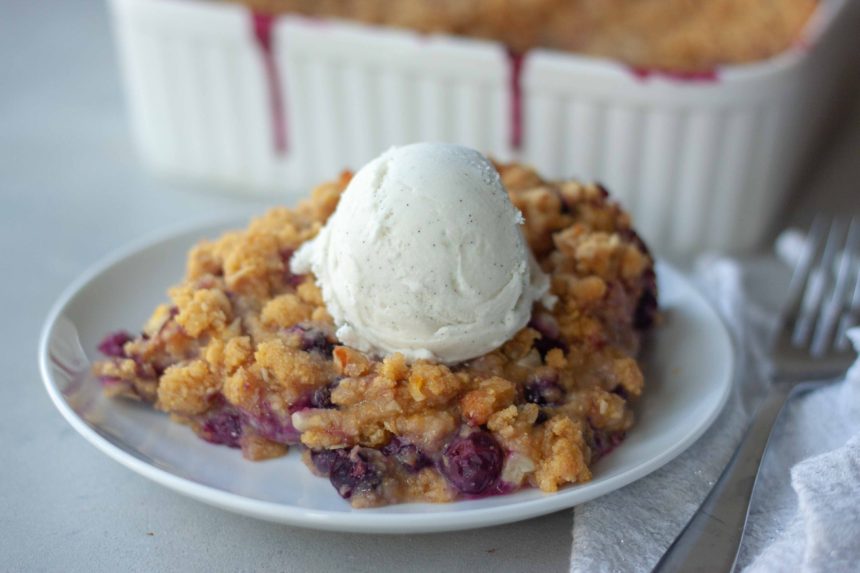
(806, 516)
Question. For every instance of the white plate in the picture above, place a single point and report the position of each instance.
(688, 368)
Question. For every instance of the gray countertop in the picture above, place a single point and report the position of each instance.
(72, 190)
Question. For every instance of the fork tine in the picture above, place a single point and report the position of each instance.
(812, 289)
(835, 305)
(802, 269)
(851, 316)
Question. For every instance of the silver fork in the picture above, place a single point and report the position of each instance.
(823, 303)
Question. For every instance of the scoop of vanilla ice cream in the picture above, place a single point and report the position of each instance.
(424, 256)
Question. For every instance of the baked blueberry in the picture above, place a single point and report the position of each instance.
(472, 463)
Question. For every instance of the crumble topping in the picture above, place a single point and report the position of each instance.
(676, 35)
(245, 355)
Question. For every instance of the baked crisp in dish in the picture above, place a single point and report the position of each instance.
(245, 354)
(677, 35)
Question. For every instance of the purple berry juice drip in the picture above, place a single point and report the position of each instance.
(515, 67)
(262, 26)
(112, 344)
(111, 381)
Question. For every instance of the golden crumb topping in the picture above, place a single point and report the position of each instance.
(678, 35)
(245, 354)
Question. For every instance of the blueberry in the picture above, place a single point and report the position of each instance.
(543, 391)
(112, 344)
(318, 398)
(550, 336)
(313, 339)
(323, 460)
(544, 345)
(472, 463)
(321, 397)
(646, 307)
(622, 392)
(407, 453)
(541, 418)
(358, 472)
(603, 442)
(545, 324)
(223, 427)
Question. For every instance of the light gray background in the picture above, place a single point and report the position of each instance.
(71, 190)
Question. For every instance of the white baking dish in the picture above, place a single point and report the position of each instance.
(224, 98)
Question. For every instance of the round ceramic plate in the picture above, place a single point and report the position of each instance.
(687, 363)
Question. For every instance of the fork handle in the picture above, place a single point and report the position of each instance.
(710, 540)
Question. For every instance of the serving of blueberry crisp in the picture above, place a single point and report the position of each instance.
(434, 328)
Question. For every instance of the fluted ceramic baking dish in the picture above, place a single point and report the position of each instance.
(230, 99)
